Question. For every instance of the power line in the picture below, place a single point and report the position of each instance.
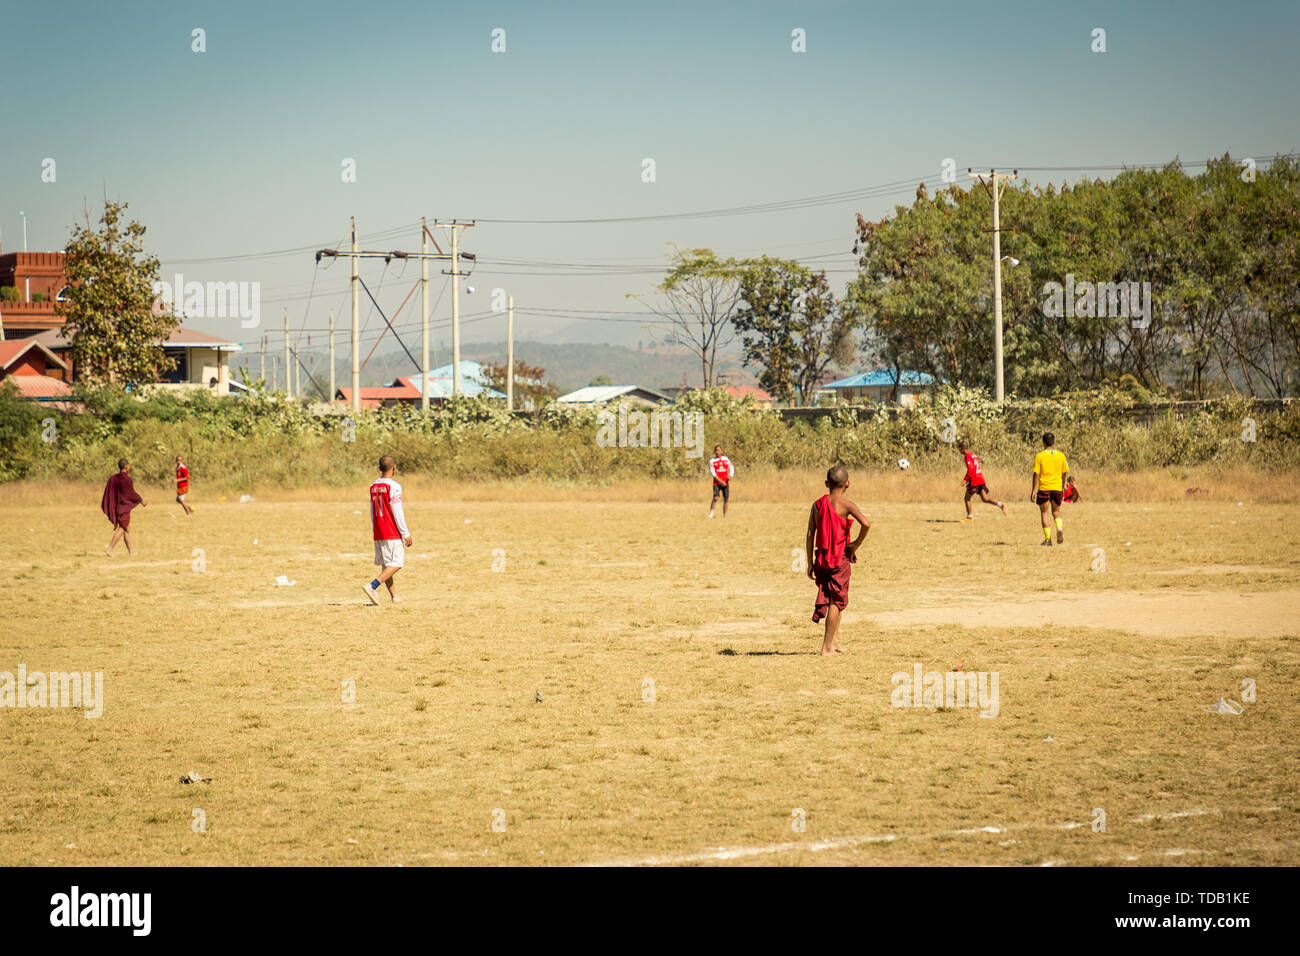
(869, 192)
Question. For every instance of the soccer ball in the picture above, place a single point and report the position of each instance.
(904, 464)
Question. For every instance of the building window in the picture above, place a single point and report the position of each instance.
(181, 372)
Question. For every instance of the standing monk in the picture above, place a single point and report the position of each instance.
(119, 498)
(831, 555)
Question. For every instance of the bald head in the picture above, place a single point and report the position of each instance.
(837, 477)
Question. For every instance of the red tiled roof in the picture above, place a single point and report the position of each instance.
(38, 386)
(14, 349)
(375, 393)
(740, 391)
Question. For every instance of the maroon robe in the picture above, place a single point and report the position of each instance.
(119, 497)
(830, 571)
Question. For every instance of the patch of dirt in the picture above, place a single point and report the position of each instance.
(1159, 614)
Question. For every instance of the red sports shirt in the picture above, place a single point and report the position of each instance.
(722, 469)
(973, 473)
(182, 479)
(386, 516)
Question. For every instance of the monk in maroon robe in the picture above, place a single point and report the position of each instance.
(831, 555)
(120, 497)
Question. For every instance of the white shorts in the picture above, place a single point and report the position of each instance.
(390, 553)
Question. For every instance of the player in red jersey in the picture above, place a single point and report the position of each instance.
(388, 523)
(975, 483)
(830, 555)
(182, 484)
(1071, 491)
(722, 470)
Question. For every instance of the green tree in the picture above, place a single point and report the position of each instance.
(108, 309)
(924, 290)
(791, 326)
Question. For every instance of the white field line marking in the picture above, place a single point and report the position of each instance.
(839, 843)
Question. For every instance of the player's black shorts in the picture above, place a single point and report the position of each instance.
(724, 490)
(976, 489)
(1053, 496)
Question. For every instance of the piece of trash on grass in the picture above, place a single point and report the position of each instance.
(1225, 707)
(468, 521)
(254, 541)
(350, 840)
(245, 499)
(1048, 740)
(283, 581)
(194, 777)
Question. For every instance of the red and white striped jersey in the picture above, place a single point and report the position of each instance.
(386, 515)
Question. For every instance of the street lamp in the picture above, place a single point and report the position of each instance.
(24, 215)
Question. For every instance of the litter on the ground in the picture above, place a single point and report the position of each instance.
(1225, 707)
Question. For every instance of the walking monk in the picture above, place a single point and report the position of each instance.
(830, 555)
(119, 498)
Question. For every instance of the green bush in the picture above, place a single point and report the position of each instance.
(264, 440)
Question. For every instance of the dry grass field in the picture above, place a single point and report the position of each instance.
(684, 714)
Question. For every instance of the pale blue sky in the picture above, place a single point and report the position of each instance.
(237, 151)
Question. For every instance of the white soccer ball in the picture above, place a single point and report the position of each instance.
(904, 464)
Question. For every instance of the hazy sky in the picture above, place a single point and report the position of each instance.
(236, 152)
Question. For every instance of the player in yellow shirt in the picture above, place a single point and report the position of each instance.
(1050, 470)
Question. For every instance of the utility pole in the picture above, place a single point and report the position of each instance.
(510, 354)
(455, 311)
(424, 255)
(424, 316)
(288, 369)
(994, 185)
(261, 361)
(331, 396)
(455, 274)
(356, 326)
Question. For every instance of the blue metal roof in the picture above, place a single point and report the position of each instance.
(472, 381)
(882, 377)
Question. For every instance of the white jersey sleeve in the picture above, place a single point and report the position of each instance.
(399, 515)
